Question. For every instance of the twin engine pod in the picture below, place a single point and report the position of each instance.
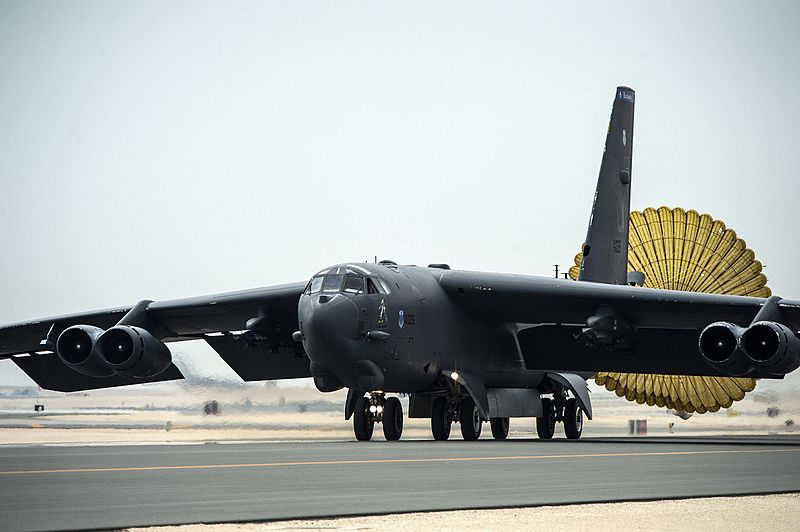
(765, 345)
(123, 350)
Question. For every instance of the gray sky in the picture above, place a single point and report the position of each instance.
(167, 149)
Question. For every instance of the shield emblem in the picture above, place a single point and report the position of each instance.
(401, 318)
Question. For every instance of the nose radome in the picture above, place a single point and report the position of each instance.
(329, 322)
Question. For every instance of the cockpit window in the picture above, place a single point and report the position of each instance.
(372, 288)
(332, 283)
(383, 284)
(349, 284)
(314, 286)
(324, 283)
(377, 285)
(353, 285)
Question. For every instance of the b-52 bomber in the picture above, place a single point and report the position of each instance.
(466, 347)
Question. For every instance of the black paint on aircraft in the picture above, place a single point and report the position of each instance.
(466, 347)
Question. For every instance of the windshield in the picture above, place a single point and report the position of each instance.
(350, 284)
(332, 283)
(314, 286)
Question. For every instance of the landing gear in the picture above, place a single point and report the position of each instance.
(378, 409)
(546, 423)
(363, 424)
(392, 419)
(440, 419)
(499, 427)
(471, 421)
(560, 408)
(573, 419)
(446, 410)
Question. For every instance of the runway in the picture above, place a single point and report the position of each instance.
(61, 487)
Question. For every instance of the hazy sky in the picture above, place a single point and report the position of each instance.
(167, 149)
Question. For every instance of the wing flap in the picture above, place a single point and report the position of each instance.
(258, 363)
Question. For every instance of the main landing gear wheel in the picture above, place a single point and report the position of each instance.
(363, 424)
(546, 424)
(471, 421)
(440, 422)
(499, 427)
(392, 419)
(573, 419)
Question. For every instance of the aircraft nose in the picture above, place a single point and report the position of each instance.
(330, 322)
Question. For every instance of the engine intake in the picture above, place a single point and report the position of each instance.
(772, 345)
(719, 346)
(133, 352)
(75, 347)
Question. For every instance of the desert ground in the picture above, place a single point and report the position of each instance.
(723, 514)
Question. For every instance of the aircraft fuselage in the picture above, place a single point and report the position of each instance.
(393, 328)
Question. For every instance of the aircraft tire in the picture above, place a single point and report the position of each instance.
(363, 425)
(440, 424)
(471, 421)
(392, 419)
(546, 424)
(499, 427)
(573, 419)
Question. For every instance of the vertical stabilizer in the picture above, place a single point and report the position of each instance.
(605, 253)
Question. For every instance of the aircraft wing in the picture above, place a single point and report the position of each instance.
(551, 312)
(211, 318)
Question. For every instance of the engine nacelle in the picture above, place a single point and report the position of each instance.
(719, 346)
(75, 347)
(771, 345)
(133, 352)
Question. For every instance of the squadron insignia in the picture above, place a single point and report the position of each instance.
(382, 313)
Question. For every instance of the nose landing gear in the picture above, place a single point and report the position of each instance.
(377, 408)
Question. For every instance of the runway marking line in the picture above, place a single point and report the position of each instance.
(389, 461)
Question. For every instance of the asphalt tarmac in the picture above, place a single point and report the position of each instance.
(64, 487)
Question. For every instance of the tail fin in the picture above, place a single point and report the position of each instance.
(605, 253)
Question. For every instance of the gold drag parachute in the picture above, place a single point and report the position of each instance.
(683, 250)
